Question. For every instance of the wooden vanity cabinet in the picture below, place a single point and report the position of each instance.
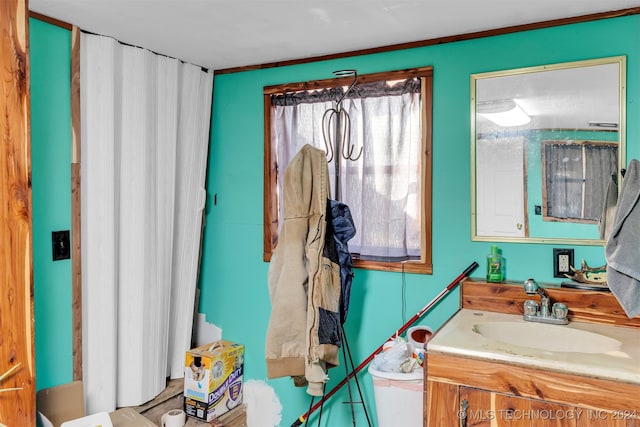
(512, 391)
(486, 408)
(490, 409)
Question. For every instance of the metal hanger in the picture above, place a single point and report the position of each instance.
(337, 123)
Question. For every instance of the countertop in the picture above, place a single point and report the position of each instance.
(458, 337)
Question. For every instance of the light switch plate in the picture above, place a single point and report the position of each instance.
(60, 246)
(562, 262)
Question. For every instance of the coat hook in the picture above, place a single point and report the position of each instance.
(341, 122)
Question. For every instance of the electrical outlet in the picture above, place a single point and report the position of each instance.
(562, 262)
(60, 246)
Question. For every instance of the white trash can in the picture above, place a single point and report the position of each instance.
(398, 397)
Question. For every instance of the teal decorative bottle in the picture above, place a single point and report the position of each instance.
(495, 266)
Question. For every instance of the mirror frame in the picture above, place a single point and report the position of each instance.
(622, 67)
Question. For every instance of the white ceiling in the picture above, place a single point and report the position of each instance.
(220, 34)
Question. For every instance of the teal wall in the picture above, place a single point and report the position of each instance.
(233, 276)
(50, 54)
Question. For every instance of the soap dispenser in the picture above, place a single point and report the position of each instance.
(495, 266)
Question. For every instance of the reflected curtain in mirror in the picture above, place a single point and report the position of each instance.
(576, 176)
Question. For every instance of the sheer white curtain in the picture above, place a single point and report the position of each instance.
(145, 131)
(382, 187)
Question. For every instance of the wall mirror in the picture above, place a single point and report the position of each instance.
(546, 143)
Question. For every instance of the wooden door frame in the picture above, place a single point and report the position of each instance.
(17, 344)
(76, 253)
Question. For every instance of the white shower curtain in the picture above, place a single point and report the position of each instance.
(145, 130)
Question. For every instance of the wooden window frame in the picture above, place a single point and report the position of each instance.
(270, 184)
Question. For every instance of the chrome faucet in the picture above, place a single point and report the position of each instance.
(558, 313)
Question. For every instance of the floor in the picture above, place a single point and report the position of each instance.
(172, 398)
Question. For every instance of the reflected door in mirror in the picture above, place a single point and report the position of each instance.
(500, 191)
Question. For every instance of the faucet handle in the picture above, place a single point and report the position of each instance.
(530, 307)
(560, 310)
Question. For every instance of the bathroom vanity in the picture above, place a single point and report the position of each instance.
(487, 366)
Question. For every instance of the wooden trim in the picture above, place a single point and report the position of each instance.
(345, 81)
(17, 341)
(418, 267)
(75, 96)
(76, 232)
(76, 278)
(440, 40)
(50, 20)
(584, 306)
(427, 173)
(558, 387)
(270, 181)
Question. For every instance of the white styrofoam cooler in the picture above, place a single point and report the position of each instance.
(398, 397)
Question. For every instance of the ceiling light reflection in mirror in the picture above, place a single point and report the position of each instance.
(503, 112)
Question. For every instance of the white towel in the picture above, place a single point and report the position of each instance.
(622, 250)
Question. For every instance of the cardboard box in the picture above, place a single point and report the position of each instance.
(65, 404)
(213, 379)
(237, 417)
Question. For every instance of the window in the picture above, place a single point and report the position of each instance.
(575, 177)
(384, 175)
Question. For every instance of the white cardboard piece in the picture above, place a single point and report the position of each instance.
(100, 419)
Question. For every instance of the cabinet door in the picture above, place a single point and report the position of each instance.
(598, 418)
(489, 409)
(556, 415)
(442, 404)
(547, 414)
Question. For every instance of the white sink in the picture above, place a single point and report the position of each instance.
(580, 348)
(541, 336)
